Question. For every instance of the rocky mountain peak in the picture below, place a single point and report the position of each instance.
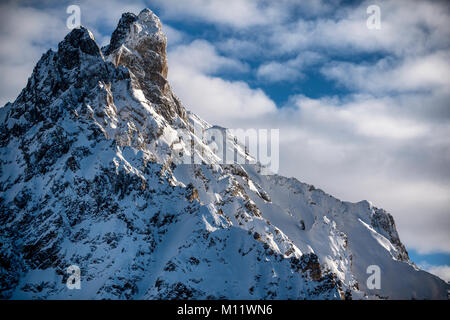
(120, 33)
(139, 44)
(134, 27)
(79, 39)
(68, 73)
(102, 168)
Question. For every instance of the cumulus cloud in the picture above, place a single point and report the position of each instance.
(25, 33)
(289, 70)
(235, 13)
(428, 72)
(201, 56)
(221, 101)
(366, 148)
(406, 27)
(363, 147)
(276, 72)
(240, 14)
(240, 48)
(173, 35)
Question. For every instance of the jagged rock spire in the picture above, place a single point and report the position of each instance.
(139, 44)
(79, 39)
(76, 65)
(121, 32)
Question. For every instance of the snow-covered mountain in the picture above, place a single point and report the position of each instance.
(93, 173)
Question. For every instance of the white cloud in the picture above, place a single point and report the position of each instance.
(27, 32)
(242, 14)
(371, 118)
(366, 149)
(442, 271)
(407, 27)
(236, 13)
(201, 56)
(289, 70)
(173, 35)
(240, 48)
(276, 72)
(387, 148)
(106, 13)
(218, 100)
(427, 72)
(363, 147)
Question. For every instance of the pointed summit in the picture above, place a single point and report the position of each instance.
(120, 33)
(79, 40)
(139, 44)
(150, 21)
(132, 28)
(140, 36)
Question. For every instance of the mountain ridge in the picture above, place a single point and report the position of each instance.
(103, 167)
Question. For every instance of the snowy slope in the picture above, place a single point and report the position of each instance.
(93, 173)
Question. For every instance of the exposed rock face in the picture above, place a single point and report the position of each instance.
(119, 35)
(384, 223)
(139, 44)
(93, 173)
(78, 64)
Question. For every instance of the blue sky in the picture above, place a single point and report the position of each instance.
(363, 114)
